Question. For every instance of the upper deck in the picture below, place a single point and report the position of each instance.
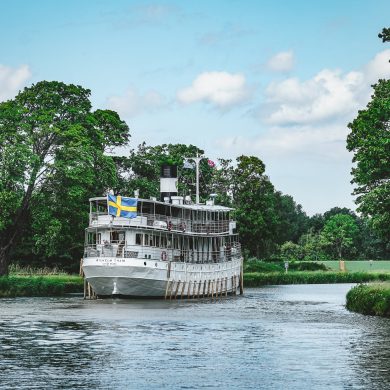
(196, 219)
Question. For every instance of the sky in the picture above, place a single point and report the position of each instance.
(279, 80)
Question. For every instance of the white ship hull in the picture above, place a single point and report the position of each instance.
(148, 278)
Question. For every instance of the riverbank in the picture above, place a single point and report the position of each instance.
(371, 299)
(39, 285)
(55, 285)
(258, 279)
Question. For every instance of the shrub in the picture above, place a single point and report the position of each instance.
(370, 299)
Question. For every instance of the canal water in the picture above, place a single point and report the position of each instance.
(277, 337)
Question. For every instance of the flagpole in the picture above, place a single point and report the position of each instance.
(197, 160)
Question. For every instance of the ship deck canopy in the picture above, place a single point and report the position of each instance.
(102, 200)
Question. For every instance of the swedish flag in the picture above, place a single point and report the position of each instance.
(122, 207)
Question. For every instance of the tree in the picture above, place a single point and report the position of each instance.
(385, 35)
(369, 139)
(339, 233)
(52, 149)
(141, 170)
(254, 199)
(292, 220)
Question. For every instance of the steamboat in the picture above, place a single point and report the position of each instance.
(167, 248)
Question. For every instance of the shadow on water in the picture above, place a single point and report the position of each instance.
(276, 337)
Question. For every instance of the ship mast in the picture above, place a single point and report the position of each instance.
(197, 160)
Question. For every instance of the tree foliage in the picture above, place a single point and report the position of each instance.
(52, 149)
(369, 139)
(340, 232)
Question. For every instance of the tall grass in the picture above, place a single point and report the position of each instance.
(39, 285)
(256, 279)
(16, 269)
(370, 299)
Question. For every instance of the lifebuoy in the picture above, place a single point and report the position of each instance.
(163, 256)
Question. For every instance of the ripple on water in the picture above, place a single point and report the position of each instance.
(276, 337)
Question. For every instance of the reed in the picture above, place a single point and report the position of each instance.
(257, 279)
(39, 285)
(373, 299)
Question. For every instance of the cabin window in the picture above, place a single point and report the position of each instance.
(138, 239)
(151, 240)
(99, 238)
(117, 236)
(146, 239)
(157, 241)
(92, 238)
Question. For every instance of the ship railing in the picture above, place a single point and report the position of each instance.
(166, 222)
(166, 254)
(187, 225)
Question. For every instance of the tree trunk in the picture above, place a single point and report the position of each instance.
(4, 261)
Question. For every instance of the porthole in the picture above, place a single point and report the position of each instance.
(144, 262)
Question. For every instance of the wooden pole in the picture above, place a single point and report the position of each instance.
(182, 290)
(85, 288)
(226, 288)
(241, 279)
(81, 272)
(189, 290)
(166, 290)
(177, 288)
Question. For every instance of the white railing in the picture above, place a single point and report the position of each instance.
(164, 222)
(166, 254)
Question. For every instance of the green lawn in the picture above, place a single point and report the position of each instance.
(360, 265)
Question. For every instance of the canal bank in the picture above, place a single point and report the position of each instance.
(373, 299)
(56, 285)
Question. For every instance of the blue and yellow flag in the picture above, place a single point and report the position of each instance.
(122, 207)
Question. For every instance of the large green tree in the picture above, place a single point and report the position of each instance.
(254, 200)
(141, 170)
(369, 140)
(339, 233)
(53, 156)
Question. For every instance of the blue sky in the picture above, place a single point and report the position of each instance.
(275, 79)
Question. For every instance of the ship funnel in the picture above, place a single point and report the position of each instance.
(168, 182)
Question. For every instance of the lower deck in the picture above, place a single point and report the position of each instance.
(149, 278)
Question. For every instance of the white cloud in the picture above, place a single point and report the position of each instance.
(281, 62)
(12, 80)
(329, 95)
(309, 118)
(132, 103)
(220, 89)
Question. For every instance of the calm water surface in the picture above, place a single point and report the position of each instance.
(284, 337)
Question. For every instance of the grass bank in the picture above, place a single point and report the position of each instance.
(371, 299)
(39, 285)
(257, 279)
(359, 265)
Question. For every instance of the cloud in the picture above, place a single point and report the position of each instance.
(281, 62)
(132, 103)
(12, 80)
(310, 117)
(328, 96)
(219, 89)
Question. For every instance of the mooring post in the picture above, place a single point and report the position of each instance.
(242, 279)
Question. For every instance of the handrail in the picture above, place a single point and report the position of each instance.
(177, 223)
(165, 254)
